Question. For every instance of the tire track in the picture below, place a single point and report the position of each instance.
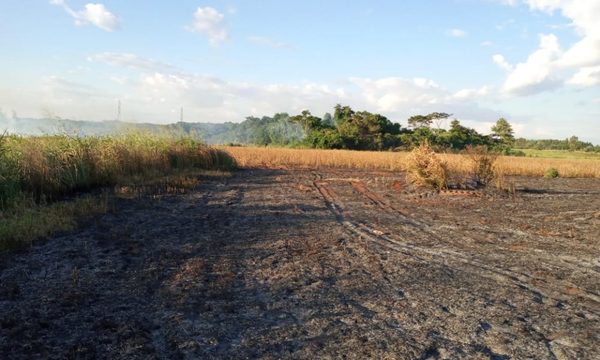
(424, 228)
(437, 255)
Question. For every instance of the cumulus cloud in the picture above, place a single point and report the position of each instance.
(549, 66)
(393, 93)
(94, 14)
(157, 95)
(501, 62)
(212, 99)
(587, 76)
(537, 73)
(471, 94)
(210, 22)
(457, 33)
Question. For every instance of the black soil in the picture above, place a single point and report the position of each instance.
(316, 264)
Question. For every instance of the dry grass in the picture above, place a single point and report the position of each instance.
(35, 172)
(25, 224)
(394, 161)
(47, 168)
(483, 164)
(425, 169)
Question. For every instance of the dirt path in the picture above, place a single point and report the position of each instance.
(316, 264)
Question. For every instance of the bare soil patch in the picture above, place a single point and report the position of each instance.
(316, 264)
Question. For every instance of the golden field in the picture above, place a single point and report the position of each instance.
(253, 157)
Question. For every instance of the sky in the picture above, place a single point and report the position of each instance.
(533, 62)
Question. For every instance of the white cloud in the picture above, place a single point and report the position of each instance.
(392, 93)
(156, 96)
(210, 22)
(95, 14)
(266, 41)
(537, 73)
(548, 66)
(486, 43)
(470, 94)
(587, 76)
(501, 62)
(457, 33)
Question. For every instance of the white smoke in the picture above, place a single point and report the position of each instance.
(7, 122)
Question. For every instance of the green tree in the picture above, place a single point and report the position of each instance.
(342, 114)
(573, 143)
(307, 121)
(438, 118)
(366, 131)
(419, 121)
(503, 132)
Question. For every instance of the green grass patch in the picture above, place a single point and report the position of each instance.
(561, 154)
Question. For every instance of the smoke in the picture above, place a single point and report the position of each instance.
(8, 122)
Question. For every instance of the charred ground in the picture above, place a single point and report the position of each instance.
(307, 263)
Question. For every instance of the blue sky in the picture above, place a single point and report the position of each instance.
(535, 62)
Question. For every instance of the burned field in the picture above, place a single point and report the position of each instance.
(316, 263)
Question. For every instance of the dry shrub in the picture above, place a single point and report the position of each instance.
(503, 184)
(483, 160)
(425, 169)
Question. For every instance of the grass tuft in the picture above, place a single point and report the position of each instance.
(551, 173)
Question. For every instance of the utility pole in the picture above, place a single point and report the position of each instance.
(119, 110)
(181, 114)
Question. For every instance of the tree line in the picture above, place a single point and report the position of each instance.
(570, 144)
(363, 130)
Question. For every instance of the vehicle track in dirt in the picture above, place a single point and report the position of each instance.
(420, 230)
(414, 230)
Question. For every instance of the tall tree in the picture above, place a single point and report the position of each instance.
(342, 114)
(503, 131)
(418, 121)
(438, 118)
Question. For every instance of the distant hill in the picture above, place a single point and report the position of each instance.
(252, 130)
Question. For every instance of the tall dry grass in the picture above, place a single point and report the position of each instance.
(394, 161)
(49, 167)
(37, 171)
